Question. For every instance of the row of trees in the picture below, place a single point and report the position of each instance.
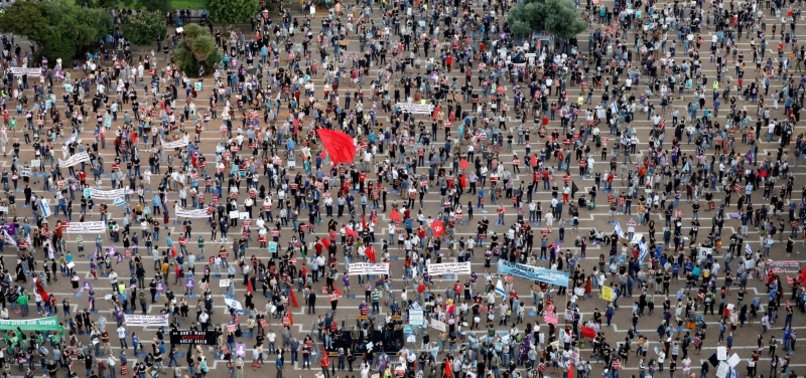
(62, 29)
(59, 29)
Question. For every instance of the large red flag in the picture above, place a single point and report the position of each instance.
(350, 232)
(571, 370)
(395, 216)
(325, 243)
(448, 369)
(438, 228)
(338, 145)
(41, 291)
(803, 275)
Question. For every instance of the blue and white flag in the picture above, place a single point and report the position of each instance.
(44, 207)
(499, 289)
(8, 239)
(747, 249)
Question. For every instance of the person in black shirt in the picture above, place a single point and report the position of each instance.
(52, 369)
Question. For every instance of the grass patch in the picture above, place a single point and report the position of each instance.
(189, 4)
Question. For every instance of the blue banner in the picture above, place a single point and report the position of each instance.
(534, 273)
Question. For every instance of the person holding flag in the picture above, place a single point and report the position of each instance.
(324, 362)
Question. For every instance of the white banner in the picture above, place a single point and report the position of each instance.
(449, 268)
(416, 317)
(74, 160)
(175, 144)
(107, 194)
(357, 269)
(415, 108)
(86, 227)
(191, 213)
(439, 325)
(147, 320)
(31, 72)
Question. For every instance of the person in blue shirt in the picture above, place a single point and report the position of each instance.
(279, 363)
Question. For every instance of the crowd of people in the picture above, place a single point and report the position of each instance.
(502, 133)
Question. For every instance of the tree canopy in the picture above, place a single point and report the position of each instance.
(558, 17)
(197, 49)
(233, 11)
(144, 27)
(59, 29)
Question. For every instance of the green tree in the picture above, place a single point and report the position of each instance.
(163, 6)
(197, 49)
(59, 29)
(145, 27)
(559, 17)
(232, 11)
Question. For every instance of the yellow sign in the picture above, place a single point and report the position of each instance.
(607, 293)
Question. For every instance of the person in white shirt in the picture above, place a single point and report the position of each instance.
(122, 336)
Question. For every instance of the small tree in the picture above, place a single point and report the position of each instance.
(558, 17)
(233, 11)
(145, 27)
(196, 50)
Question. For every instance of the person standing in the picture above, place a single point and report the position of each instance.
(279, 363)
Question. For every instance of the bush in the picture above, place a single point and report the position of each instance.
(144, 27)
(59, 29)
(233, 11)
(197, 49)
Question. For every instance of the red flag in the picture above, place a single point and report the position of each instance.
(288, 319)
(325, 361)
(249, 287)
(448, 369)
(338, 145)
(588, 332)
(463, 164)
(364, 222)
(325, 243)
(438, 228)
(294, 299)
(571, 370)
(370, 254)
(41, 291)
(395, 216)
(803, 274)
(350, 232)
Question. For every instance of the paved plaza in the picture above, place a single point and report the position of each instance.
(652, 168)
